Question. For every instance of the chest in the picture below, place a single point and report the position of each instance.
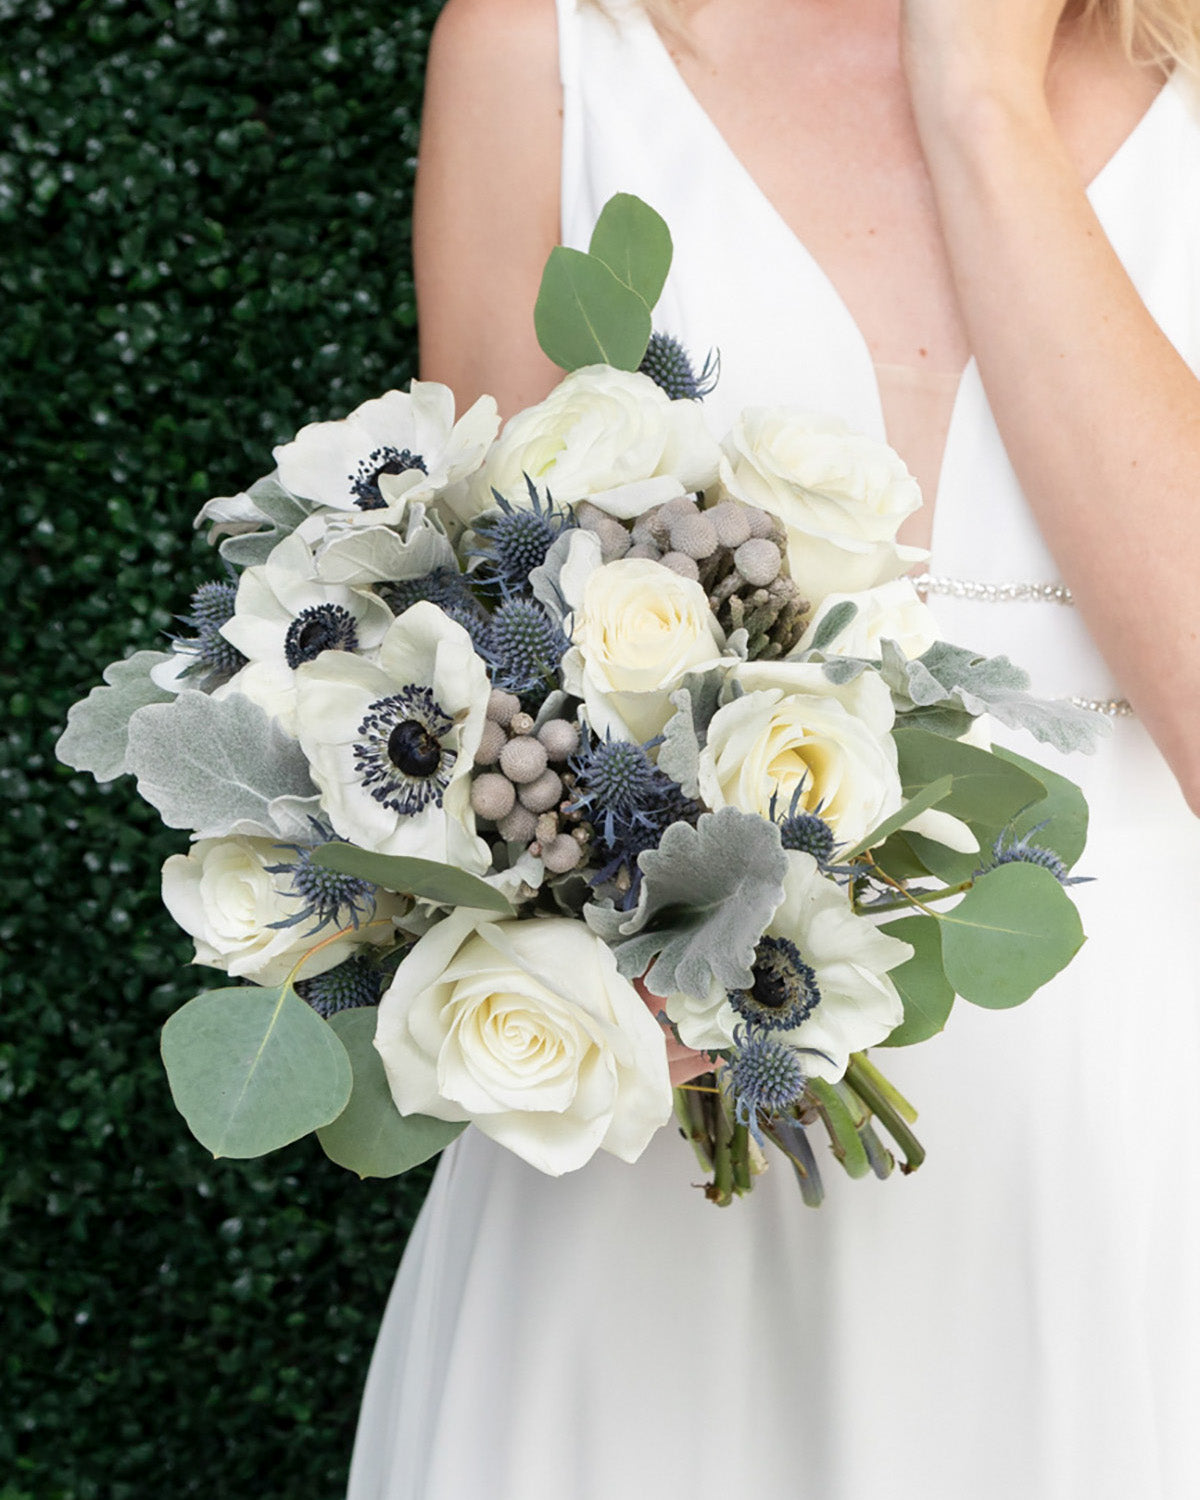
(813, 102)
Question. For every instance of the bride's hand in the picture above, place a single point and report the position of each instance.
(685, 1063)
(956, 51)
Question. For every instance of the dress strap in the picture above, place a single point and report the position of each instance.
(572, 174)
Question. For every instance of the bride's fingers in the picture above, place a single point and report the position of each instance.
(684, 1063)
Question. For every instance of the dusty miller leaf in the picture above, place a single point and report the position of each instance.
(97, 734)
(707, 895)
(253, 522)
(213, 765)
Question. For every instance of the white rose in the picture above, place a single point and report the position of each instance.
(610, 436)
(833, 967)
(840, 494)
(527, 1030)
(222, 893)
(391, 743)
(398, 448)
(637, 630)
(893, 612)
(795, 734)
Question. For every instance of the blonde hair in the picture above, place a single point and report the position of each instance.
(1157, 31)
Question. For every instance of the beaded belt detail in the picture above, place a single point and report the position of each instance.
(1020, 593)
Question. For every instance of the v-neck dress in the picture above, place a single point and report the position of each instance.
(1020, 1319)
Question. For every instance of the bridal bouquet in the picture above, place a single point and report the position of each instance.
(510, 759)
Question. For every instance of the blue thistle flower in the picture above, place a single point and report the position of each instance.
(805, 832)
(784, 991)
(325, 894)
(514, 540)
(356, 982)
(523, 646)
(216, 659)
(629, 802)
(670, 367)
(445, 587)
(764, 1076)
(1009, 849)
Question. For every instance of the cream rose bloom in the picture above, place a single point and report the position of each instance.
(840, 494)
(793, 732)
(637, 629)
(843, 984)
(608, 436)
(892, 612)
(222, 894)
(527, 1030)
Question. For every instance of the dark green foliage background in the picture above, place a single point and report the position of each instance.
(204, 213)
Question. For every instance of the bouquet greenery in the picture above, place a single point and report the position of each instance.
(559, 779)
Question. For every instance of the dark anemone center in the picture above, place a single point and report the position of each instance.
(783, 993)
(321, 627)
(412, 749)
(364, 485)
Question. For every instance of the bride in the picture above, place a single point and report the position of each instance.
(973, 227)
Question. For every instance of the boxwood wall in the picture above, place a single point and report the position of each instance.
(204, 214)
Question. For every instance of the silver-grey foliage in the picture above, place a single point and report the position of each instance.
(97, 734)
(218, 766)
(707, 895)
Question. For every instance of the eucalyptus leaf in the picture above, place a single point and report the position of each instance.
(253, 1069)
(1013, 931)
(831, 625)
(426, 878)
(921, 980)
(988, 791)
(585, 316)
(708, 892)
(1063, 812)
(634, 243)
(96, 738)
(937, 791)
(370, 1136)
(213, 764)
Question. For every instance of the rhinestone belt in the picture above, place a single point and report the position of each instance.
(1020, 593)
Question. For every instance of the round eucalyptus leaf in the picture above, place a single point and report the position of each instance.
(253, 1069)
(1010, 934)
(371, 1136)
(634, 243)
(585, 316)
(926, 992)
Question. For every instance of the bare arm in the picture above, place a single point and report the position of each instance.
(1099, 413)
(486, 213)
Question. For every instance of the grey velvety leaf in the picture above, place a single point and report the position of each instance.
(707, 894)
(263, 516)
(215, 764)
(544, 580)
(838, 618)
(843, 669)
(679, 753)
(97, 732)
(995, 685)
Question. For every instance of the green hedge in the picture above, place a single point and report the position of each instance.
(204, 208)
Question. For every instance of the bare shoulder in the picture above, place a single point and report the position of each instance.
(487, 204)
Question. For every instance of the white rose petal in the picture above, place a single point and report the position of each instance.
(840, 494)
(637, 630)
(894, 612)
(222, 893)
(858, 1004)
(528, 1030)
(611, 436)
(794, 734)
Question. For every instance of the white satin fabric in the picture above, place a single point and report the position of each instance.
(1020, 1320)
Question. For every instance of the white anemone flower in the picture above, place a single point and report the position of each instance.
(390, 451)
(284, 616)
(820, 980)
(391, 743)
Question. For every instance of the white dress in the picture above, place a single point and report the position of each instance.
(1019, 1320)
